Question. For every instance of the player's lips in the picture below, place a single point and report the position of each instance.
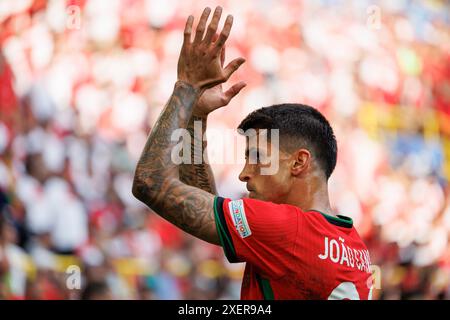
(250, 189)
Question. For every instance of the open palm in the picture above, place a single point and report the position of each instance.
(215, 98)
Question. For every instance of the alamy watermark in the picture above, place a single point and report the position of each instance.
(73, 19)
(373, 21)
(73, 281)
(262, 147)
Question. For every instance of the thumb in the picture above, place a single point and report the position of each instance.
(234, 90)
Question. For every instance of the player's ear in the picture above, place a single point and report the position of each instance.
(301, 161)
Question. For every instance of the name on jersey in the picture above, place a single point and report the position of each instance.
(237, 212)
(337, 252)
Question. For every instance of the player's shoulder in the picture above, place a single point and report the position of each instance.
(256, 204)
(259, 210)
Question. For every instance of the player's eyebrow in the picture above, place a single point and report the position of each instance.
(247, 151)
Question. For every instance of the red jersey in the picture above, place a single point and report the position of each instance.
(293, 254)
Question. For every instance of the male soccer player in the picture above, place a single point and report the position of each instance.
(294, 245)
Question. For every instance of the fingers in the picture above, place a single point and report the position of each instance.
(234, 90)
(215, 37)
(222, 52)
(212, 28)
(223, 35)
(232, 67)
(222, 56)
(211, 36)
(202, 25)
(188, 30)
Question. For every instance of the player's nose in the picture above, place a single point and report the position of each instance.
(244, 176)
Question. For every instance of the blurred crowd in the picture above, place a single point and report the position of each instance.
(83, 81)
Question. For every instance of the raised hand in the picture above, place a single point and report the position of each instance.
(199, 64)
(215, 98)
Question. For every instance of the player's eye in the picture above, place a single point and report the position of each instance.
(253, 156)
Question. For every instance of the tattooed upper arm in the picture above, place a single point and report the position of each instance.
(189, 208)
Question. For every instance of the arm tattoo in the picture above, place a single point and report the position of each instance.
(198, 173)
(156, 180)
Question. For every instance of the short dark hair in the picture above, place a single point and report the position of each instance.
(300, 126)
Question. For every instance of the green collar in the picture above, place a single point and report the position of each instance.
(339, 220)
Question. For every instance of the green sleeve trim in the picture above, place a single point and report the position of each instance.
(266, 288)
(222, 230)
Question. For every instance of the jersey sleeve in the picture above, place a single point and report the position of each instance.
(259, 232)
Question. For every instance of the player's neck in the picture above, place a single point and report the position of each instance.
(311, 195)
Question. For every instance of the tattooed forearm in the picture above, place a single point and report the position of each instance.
(198, 173)
(156, 180)
(155, 164)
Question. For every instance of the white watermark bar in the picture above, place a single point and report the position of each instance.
(263, 149)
